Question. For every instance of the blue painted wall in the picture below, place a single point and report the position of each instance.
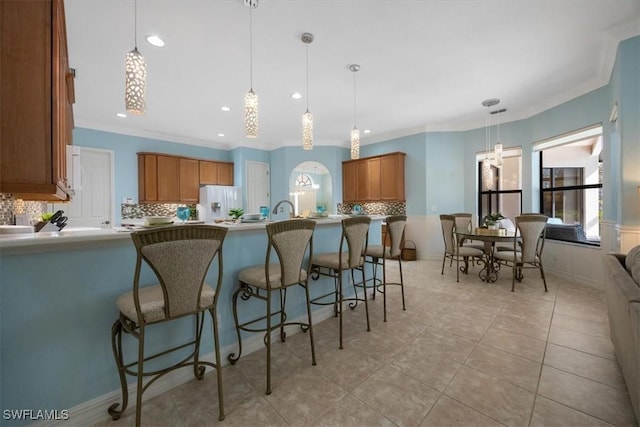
(440, 167)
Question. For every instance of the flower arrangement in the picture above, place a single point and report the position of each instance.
(493, 218)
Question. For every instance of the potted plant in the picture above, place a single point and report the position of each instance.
(491, 220)
(236, 213)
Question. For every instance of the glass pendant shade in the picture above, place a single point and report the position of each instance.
(487, 175)
(307, 131)
(136, 82)
(251, 114)
(355, 144)
(497, 154)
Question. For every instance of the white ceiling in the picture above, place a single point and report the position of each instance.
(425, 65)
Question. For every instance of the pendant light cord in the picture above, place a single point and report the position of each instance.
(307, 49)
(250, 48)
(135, 24)
(354, 100)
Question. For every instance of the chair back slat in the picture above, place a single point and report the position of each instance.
(355, 231)
(290, 239)
(395, 228)
(463, 222)
(531, 230)
(448, 223)
(180, 257)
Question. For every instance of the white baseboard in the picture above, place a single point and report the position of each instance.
(95, 410)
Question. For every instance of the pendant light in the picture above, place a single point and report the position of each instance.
(307, 117)
(497, 149)
(135, 74)
(251, 99)
(355, 133)
(487, 175)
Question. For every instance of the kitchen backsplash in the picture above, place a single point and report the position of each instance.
(10, 206)
(139, 211)
(375, 208)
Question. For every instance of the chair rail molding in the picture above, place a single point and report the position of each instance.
(628, 237)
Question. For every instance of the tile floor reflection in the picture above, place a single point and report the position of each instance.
(467, 353)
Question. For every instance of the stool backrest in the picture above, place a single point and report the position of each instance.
(395, 228)
(290, 239)
(180, 257)
(355, 232)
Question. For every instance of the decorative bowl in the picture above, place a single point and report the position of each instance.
(252, 216)
(157, 220)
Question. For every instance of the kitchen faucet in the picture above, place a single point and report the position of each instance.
(275, 209)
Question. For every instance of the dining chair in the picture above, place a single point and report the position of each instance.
(453, 250)
(527, 247)
(464, 223)
(291, 243)
(354, 239)
(180, 257)
(377, 255)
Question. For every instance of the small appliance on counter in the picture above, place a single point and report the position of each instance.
(56, 223)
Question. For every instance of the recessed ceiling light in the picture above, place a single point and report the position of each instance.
(225, 108)
(155, 40)
(121, 115)
(367, 131)
(221, 135)
(296, 95)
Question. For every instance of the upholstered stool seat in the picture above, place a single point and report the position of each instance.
(255, 276)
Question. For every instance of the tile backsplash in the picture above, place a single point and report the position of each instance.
(375, 208)
(9, 206)
(139, 211)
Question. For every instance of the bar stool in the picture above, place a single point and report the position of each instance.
(180, 257)
(378, 254)
(290, 241)
(355, 232)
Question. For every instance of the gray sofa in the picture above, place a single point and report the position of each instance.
(622, 289)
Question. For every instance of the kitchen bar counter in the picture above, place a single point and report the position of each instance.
(83, 236)
(58, 296)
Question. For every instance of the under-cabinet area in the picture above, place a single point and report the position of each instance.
(167, 178)
(372, 179)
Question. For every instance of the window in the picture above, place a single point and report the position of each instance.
(571, 186)
(502, 192)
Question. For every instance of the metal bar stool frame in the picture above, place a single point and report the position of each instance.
(290, 240)
(166, 249)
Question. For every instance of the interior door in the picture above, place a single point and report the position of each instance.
(258, 186)
(92, 204)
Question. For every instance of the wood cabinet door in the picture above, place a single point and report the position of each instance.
(392, 177)
(168, 179)
(147, 178)
(362, 178)
(208, 172)
(349, 180)
(189, 180)
(373, 179)
(225, 173)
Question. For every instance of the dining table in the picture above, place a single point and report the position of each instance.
(489, 272)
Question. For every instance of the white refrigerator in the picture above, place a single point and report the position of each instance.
(216, 200)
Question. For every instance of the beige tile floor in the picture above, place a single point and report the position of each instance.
(466, 353)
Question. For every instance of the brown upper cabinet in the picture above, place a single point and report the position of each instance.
(164, 178)
(36, 114)
(374, 179)
(215, 173)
